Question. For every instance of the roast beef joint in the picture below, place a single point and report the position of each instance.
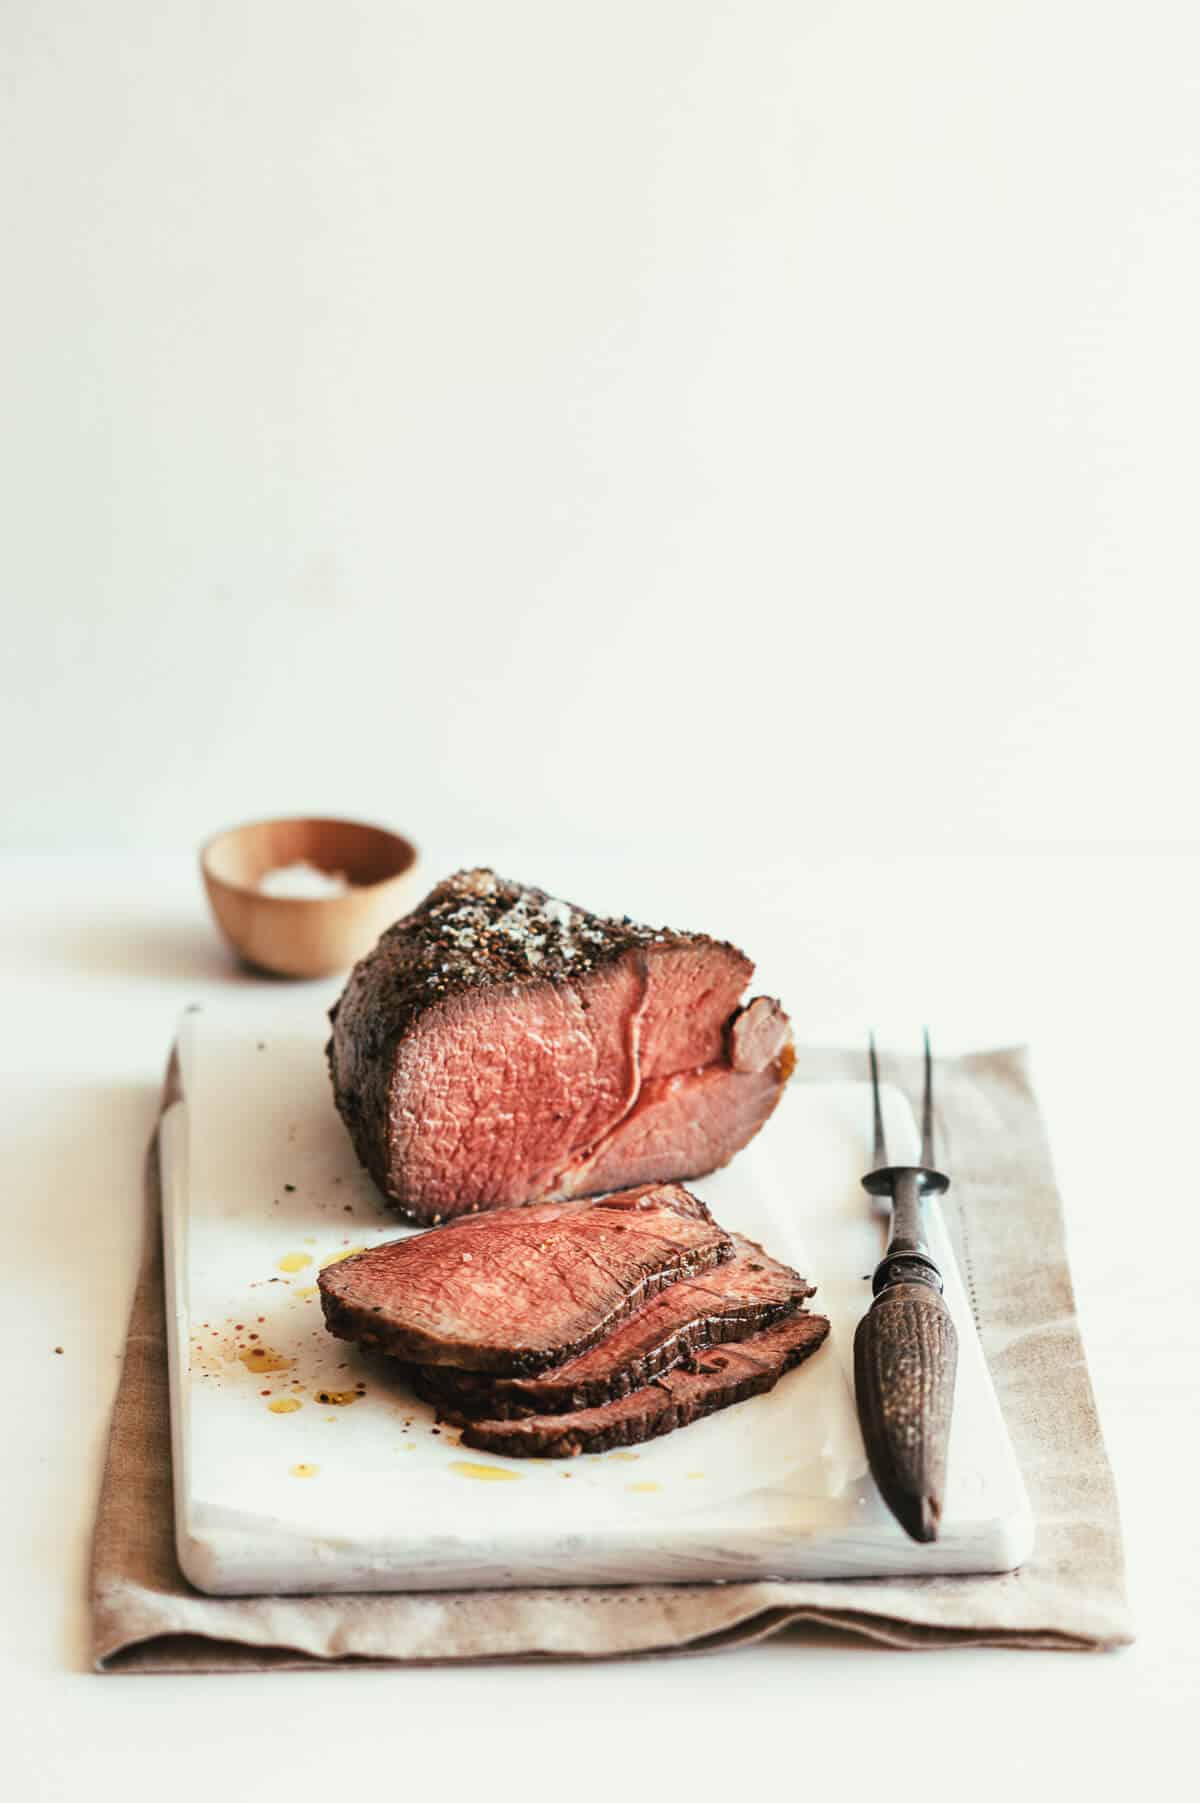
(501, 1047)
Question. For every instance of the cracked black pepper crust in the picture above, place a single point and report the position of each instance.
(474, 931)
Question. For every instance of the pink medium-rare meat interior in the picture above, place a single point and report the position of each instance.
(692, 1122)
(728, 1302)
(493, 1090)
(522, 1290)
(563, 1091)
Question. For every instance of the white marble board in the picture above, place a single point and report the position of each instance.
(261, 1187)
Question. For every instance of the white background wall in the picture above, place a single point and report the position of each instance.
(631, 421)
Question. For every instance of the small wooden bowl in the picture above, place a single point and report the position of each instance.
(294, 937)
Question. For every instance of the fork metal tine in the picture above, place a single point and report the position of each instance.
(880, 1146)
(927, 1109)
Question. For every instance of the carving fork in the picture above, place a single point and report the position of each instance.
(906, 1349)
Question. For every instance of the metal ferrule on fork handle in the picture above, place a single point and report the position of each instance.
(905, 1267)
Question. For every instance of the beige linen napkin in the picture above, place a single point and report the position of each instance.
(1006, 1220)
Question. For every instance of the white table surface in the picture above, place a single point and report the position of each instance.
(1090, 958)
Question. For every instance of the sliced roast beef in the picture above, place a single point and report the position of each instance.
(722, 1376)
(500, 1047)
(729, 1302)
(525, 1289)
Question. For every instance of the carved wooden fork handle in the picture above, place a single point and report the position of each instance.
(905, 1358)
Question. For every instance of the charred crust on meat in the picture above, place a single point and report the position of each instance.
(476, 929)
(664, 1407)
